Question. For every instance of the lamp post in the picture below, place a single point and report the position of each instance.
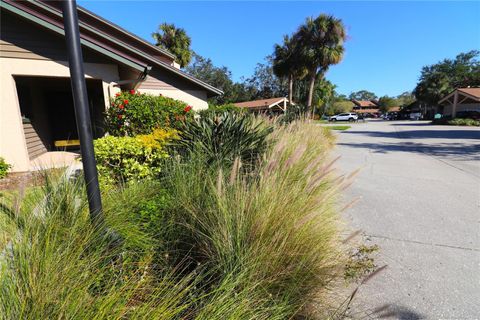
(82, 113)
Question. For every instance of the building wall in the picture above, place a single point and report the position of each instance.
(29, 50)
(195, 98)
(12, 139)
(447, 110)
(158, 82)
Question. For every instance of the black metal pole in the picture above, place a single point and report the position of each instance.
(82, 114)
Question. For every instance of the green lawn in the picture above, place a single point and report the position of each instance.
(342, 128)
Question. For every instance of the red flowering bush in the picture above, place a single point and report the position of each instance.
(132, 113)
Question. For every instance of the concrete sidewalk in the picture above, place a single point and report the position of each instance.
(420, 202)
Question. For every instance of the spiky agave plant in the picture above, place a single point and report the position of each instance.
(221, 138)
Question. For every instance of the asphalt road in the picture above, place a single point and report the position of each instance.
(419, 189)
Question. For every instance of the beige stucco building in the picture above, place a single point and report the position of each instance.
(36, 107)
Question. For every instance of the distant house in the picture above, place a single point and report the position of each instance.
(394, 109)
(265, 105)
(461, 99)
(365, 106)
(37, 112)
(427, 111)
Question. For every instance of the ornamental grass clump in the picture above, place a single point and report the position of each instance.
(276, 227)
(202, 241)
(54, 264)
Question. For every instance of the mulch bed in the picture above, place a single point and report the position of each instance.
(14, 181)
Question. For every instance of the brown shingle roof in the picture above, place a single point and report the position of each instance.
(364, 103)
(263, 103)
(394, 109)
(366, 111)
(471, 93)
(474, 92)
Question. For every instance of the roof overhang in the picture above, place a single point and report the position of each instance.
(121, 52)
(265, 104)
(366, 111)
(52, 27)
(463, 97)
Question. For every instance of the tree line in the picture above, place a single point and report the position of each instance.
(296, 68)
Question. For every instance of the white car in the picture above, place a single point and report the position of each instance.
(344, 117)
(415, 116)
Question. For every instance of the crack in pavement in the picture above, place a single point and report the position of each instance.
(424, 243)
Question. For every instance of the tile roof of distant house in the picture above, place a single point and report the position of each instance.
(366, 111)
(365, 103)
(469, 94)
(394, 109)
(474, 92)
(260, 103)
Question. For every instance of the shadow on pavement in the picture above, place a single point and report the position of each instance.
(466, 152)
(414, 124)
(421, 134)
(393, 311)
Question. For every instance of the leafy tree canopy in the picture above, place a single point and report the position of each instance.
(438, 80)
(340, 106)
(264, 84)
(386, 103)
(219, 77)
(405, 98)
(362, 95)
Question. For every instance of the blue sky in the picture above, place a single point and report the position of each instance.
(388, 41)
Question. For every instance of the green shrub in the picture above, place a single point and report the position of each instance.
(294, 113)
(224, 137)
(127, 158)
(4, 167)
(133, 113)
(464, 122)
(456, 122)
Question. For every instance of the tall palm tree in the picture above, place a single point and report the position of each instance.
(287, 63)
(321, 45)
(174, 40)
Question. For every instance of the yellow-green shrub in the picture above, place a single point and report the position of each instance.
(4, 167)
(158, 138)
(132, 158)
